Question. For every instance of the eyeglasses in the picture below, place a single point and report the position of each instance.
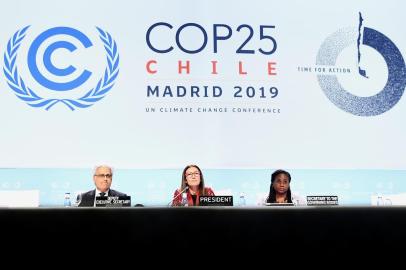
(193, 173)
(104, 175)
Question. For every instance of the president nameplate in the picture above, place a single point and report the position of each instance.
(216, 200)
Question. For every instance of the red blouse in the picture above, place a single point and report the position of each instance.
(177, 201)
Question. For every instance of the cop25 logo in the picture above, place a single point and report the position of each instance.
(59, 79)
(395, 84)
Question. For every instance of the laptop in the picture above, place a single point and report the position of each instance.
(279, 204)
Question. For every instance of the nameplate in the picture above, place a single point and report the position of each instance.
(120, 201)
(216, 200)
(322, 200)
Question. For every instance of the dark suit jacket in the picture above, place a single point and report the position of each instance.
(88, 197)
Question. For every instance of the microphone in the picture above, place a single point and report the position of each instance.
(180, 193)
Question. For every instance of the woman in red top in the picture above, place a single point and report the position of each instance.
(193, 185)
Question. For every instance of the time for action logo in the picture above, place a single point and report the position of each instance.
(394, 87)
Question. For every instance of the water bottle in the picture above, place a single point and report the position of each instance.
(66, 202)
(184, 199)
(241, 201)
(379, 201)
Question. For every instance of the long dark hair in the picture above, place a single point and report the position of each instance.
(272, 194)
(202, 190)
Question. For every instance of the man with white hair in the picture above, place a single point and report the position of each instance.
(102, 177)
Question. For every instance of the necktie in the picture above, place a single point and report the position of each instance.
(102, 194)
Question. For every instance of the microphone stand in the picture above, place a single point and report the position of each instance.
(180, 193)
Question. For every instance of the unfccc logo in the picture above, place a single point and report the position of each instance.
(58, 78)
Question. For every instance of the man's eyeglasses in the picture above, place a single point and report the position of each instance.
(193, 173)
(104, 175)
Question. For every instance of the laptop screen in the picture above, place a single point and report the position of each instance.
(279, 204)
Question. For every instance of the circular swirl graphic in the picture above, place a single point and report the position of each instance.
(363, 106)
(28, 95)
(32, 58)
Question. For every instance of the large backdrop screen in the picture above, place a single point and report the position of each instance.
(161, 84)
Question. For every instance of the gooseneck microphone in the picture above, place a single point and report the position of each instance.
(180, 193)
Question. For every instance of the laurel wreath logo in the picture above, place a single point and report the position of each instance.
(27, 94)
